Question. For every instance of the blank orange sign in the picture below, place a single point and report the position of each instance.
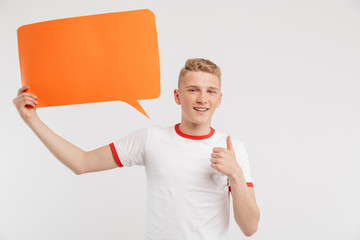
(97, 58)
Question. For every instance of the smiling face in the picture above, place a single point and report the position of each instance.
(199, 95)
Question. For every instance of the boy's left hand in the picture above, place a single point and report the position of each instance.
(224, 161)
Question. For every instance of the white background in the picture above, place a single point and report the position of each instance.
(291, 72)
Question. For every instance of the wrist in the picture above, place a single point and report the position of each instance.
(31, 120)
(237, 175)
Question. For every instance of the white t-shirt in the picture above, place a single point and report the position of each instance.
(187, 199)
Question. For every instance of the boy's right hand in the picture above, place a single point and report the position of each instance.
(22, 101)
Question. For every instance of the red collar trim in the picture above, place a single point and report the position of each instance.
(177, 129)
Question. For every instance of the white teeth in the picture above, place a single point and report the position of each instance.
(201, 109)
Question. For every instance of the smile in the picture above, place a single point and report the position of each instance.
(201, 109)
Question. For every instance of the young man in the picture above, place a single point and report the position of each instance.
(191, 168)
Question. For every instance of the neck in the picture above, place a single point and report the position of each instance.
(194, 129)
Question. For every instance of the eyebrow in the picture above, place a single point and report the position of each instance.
(194, 86)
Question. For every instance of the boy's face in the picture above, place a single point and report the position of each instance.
(199, 95)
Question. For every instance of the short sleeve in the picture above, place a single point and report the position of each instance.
(243, 160)
(130, 149)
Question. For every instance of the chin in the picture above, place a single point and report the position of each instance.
(198, 120)
(201, 121)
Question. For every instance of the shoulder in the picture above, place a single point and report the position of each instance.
(157, 131)
(220, 136)
(151, 128)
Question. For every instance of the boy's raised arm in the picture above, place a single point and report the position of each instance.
(78, 160)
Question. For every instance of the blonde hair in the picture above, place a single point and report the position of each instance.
(200, 65)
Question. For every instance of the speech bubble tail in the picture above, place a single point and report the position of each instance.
(135, 104)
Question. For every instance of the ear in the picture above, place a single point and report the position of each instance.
(177, 97)
(219, 101)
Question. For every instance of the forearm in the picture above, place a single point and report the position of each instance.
(246, 211)
(67, 153)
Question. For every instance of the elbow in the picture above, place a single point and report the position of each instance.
(249, 232)
(77, 170)
(249, 228)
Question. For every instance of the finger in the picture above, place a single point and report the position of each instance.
(218, 161)
(25, 96)
(218, 155)
(20, 100)
(27, 103)
(213, 165)
(217, 167)
(229, 143)
(22, 89)
(219, 149)
(31, 100)
(30, 95)
(213, 160)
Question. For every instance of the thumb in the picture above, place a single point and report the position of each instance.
(229, 143)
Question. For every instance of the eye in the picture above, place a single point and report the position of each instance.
(212, 91)
(192, 90)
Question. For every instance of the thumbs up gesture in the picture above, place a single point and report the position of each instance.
(224, 161)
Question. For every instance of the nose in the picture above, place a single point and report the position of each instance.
(202, 98)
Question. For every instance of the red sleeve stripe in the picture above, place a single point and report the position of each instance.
(117, 159)
(249, 184)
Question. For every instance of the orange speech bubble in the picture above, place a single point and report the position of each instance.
(97, 58)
